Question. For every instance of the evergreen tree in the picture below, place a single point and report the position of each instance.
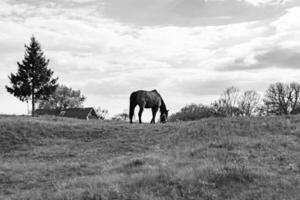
(33, 81)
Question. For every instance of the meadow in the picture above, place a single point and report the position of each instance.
(212, 159)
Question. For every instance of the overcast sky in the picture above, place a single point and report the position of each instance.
(189, 50)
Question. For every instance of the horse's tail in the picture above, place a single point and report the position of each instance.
(132, 105)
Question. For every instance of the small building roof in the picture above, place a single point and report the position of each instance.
(55, 112)
(80, 113)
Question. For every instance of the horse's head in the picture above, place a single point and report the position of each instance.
(164, 116)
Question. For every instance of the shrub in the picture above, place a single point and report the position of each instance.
(193, 112)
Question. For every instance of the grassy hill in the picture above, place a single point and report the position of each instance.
(213, 159)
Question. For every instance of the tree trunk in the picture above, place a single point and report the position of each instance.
(27, 108)
(33, 105)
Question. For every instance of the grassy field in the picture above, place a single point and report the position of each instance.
(213, 159)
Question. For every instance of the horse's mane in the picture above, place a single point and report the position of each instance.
(163, 107)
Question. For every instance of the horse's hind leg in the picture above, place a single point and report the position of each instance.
(140, 113)
(131, 112)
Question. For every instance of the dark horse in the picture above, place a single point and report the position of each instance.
(148, 99)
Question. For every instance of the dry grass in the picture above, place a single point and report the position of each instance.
(213, 159)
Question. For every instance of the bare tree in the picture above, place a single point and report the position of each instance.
(248, 102)
(295, 97)
(229, 101)
(282, 98)
(275, 99)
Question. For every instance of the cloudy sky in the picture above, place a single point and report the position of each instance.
(189, 50)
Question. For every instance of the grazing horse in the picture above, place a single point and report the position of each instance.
(148, 99)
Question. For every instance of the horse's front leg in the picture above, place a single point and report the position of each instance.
(154, 111)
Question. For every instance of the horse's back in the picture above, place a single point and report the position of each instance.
(148, 98)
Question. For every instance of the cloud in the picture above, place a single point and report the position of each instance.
(279, 48)
(192, 12)
(269, 2)
(158, 12)
(276, 57)
(281, 57)
(202, 86)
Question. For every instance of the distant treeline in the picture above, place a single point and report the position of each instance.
(279, 99)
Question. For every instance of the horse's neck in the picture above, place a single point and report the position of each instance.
(163, 107)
